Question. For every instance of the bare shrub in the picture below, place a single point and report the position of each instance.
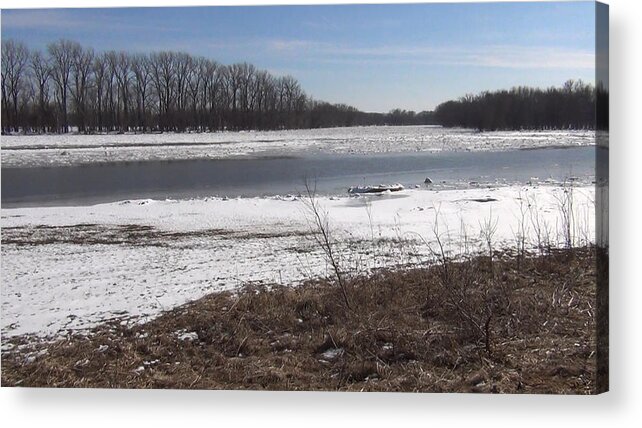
(540, 226)
(522, 229)
(566, 223)
(320, 228)
(440, 253)
(487, 230)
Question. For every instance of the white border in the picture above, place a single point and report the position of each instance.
(110, 408)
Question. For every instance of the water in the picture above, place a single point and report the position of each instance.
(331, 174)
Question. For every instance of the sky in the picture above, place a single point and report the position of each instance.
(374, 57)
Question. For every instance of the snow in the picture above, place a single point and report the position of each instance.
(189, 336)
(71, 268)
(65, 150)
(332, 354)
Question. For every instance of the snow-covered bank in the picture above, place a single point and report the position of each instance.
(73, 267)
(60, 150)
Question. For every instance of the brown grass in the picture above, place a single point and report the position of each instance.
(464, 327)
(123, 234)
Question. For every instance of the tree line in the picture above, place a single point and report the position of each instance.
(571, 106)
(70, 86)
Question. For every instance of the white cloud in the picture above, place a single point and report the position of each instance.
(530, 57)
(290, 45)
(495, 56)
(62, 19)
(40, 18)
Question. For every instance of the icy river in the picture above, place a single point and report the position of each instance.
(332, 174)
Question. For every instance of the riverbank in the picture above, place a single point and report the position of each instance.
(507, 324)
(69, 269)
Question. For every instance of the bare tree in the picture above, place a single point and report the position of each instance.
(41, 72)
(163, 77)
(184, 66)
(82, 61)
(247, 73)
(120, 65)
(61, 55)
(99, 69)
(233, 86)
(14, 61)
(112, 92)
(142, 78)
(211, 93)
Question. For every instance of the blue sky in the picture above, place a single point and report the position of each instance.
(375, 57)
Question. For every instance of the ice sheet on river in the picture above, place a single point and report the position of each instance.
(58, 150)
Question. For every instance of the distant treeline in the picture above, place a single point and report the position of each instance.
(69, 85)
(573, 106)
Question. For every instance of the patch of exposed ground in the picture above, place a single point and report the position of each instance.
(124, 234)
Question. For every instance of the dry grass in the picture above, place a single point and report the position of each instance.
(470, 326)
(123, 234)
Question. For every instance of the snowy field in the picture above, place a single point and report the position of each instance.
(59, 150)
(70, 268)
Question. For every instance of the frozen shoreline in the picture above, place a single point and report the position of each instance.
(70, 150)
(70, 268)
